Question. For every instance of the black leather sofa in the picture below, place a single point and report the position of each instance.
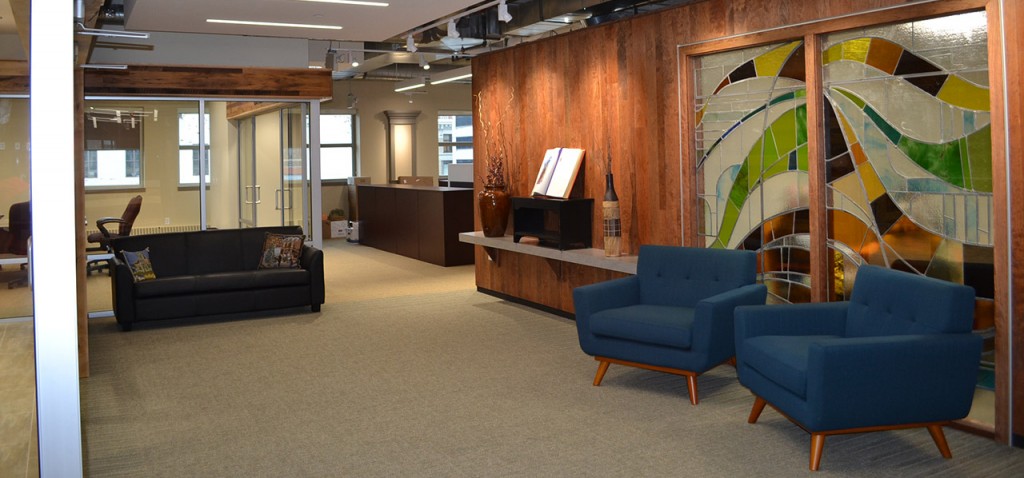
(211, 272)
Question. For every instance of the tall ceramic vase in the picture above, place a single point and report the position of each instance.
(612, 221)
(494, 210)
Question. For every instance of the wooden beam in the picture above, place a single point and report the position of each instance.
(21, 8)
(13, 77)
(207, 82)
(243, 109)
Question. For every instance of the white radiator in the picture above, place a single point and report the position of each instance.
(138, 231)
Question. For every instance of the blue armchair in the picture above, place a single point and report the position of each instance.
(899, 354)
(675, 315)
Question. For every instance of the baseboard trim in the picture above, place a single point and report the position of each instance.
(531, 304)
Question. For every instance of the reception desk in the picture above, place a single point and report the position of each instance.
(420, 222)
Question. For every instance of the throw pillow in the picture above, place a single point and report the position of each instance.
(281, 251)
(140, 265)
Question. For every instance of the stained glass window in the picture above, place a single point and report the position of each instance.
(751, 152)
(909, 160)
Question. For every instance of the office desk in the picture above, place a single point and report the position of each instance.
(421, 222)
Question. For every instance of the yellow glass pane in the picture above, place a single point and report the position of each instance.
(770, 63)
(852, 190)
(872, 185)
(856, 50)
(959, 92)
(833, 54)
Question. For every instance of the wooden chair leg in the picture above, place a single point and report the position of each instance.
(817, 447)
(755, 412)
(940, 440)
(601, 369)
(691, 385)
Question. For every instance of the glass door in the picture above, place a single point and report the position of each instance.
(248, 189)
(292, 198)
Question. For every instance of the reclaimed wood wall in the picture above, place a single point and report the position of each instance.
(616, 89)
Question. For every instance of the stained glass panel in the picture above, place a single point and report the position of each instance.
(751, 138)
(908, 156)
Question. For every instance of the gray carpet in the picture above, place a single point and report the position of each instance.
(455, 384)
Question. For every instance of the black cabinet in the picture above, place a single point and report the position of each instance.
(420, 222)
(561, 223)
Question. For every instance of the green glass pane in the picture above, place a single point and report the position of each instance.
(801, 124)
(979, 151)
(942, 160)
(883, 125)
(784, 130)
(801, 158)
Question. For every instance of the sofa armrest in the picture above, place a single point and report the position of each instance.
(820, 318)
(122, 291)
(312, 260)
(893, 379)
(714, 321)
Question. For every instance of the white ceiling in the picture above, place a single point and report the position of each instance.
(7, 24)
(359, 23)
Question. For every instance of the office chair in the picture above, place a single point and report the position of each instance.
(20, 229)
(102, 238)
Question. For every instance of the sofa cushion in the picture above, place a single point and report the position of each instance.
(261, 279)
(782, 359)
(654, 324)
(221, 282)
(281, 251)
(140, 265)
(214, 251)
(166, 286)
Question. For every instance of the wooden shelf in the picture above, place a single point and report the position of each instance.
(588, 257)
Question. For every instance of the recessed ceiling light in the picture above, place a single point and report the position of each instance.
(351, 2)
(273, 24)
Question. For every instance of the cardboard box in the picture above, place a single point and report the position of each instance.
(339, 229)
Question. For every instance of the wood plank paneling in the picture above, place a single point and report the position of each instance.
(616, 88)
(187, 81)
(1008, 110)
(13, 77)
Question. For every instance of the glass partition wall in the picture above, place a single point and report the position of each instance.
(197, 165)
(15, 296)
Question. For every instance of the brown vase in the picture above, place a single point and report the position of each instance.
(494, 209)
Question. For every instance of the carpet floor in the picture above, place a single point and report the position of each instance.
(408, 371)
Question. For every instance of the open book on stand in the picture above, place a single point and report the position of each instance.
(558, 172)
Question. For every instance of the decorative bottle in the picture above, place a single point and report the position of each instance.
(612, 222)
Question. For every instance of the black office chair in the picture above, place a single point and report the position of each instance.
(102, 238)
(19, 230)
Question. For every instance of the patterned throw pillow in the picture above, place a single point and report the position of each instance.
(281, 251)
(138, 262)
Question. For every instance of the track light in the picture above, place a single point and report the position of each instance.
(423, 62)
(81, 29)
(453, 31)
(410, 44)
(410, 84)
(452, 75)
(503, 14)
(331, 60)
(353, 59)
